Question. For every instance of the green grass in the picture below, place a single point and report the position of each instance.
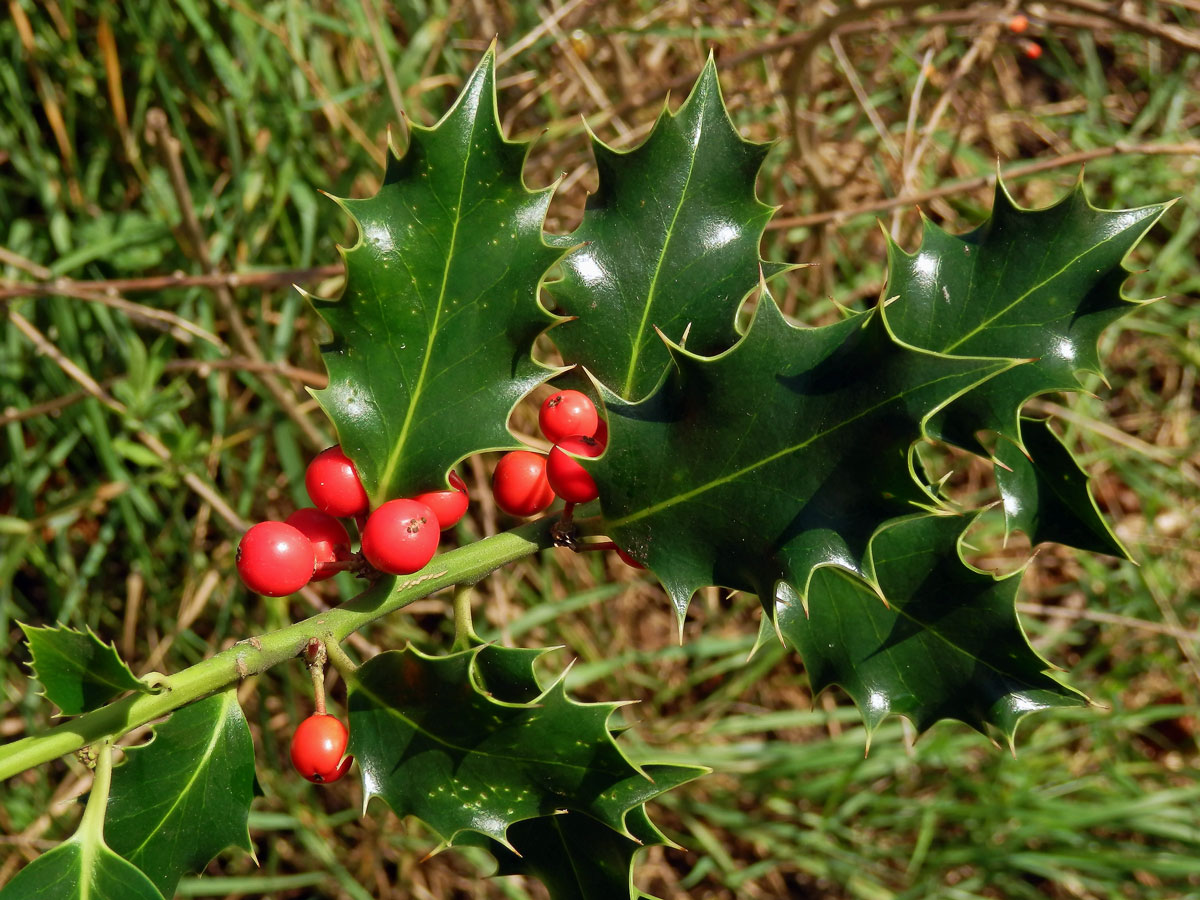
(272, 103)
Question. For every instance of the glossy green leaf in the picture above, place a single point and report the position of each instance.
(946, 646)
(83, 867)
(578, 858)
(78, 671)
(80, 869)
(433, 333)
(786, 453)
(1046, 493)
(1029, 284)
(198, 768)
(669, 241)
(432, 743)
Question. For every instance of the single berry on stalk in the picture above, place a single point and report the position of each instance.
(330, 540)
(275, 559)
(448, 506)
(567, 477)
(400, 537)
(334, 486)
(318, 748)
(519, 483)
(566, 414)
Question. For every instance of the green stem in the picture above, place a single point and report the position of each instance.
(465, 565)
(338, 659)
(92, 822)
(464, 628)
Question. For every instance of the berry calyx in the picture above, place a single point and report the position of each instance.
(318, 748)
(567, 477)
(566, 414)
(275, 559)
(334, 486)
(400, 537)
(448, 506)
(329, 538)
(519, 483)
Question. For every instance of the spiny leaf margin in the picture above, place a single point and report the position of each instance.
(78, 671)
(439, 314)
(490, 762)
(669, 242)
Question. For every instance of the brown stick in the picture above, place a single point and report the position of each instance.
(48, 285)
(158, 132)
(839, 216)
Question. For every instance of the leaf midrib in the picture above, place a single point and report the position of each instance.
(186, 789)
(636, 350)
(398, 448)
(985, 323)
(937, 633)
(396, 713)
(779, 454)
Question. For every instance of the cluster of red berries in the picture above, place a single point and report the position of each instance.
(398, 537)
(525, 483)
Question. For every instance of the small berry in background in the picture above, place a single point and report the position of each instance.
(333, 484)
(449, 506)
(519, 483)
(329, 538)
(567, 477)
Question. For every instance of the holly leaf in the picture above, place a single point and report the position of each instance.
(1037, 284)
(507, 673)
(198, 768)
(81, 868)
(784, 454)
(669, 241)
(78, 671)
(432, 336)
(1046, 493)
(578, 858)
(947, 645)
(432, 743)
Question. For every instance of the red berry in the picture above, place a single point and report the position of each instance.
(519, 483)
(601, 435)
(333, 484)
(275, 559)
(330, 540)
(318, 747)
(448, 506)
(1018, 24)
(400, 537)
(568, 478)
(1033, 50)
(566, 414)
